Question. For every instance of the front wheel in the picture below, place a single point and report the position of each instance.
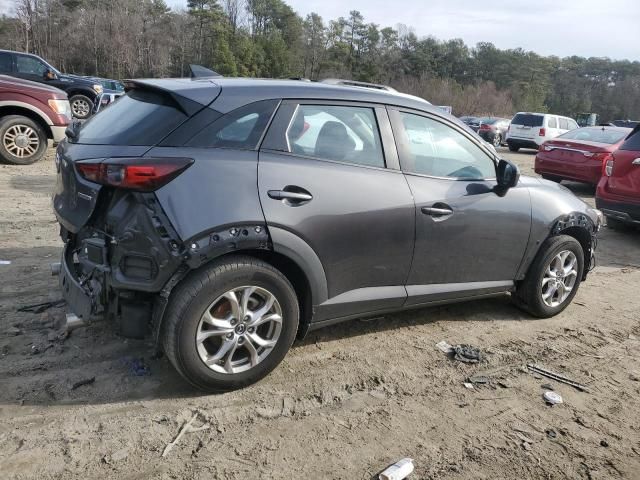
(81, 106)
(22, 141)
(497, 140)
(553, 278)
(230, 323)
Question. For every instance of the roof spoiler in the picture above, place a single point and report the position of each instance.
(198, 71)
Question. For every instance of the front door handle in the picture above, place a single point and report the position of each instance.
(437, 212)
(291, 195)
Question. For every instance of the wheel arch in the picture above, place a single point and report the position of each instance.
(30, 113)
(86, 91)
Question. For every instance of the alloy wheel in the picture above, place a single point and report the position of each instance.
(80, 108)
(497, 140)
(21, 141)
(239, 329)
(559, 278)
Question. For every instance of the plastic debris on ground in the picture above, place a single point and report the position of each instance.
(399, 470)
(552, 398)
(137, 366)
(467, 353)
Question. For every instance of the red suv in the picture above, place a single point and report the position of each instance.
(618, 193)
(31, 115)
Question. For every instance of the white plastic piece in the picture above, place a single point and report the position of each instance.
(552, 397)
(5, 262)
(444, 347)
(398, 471)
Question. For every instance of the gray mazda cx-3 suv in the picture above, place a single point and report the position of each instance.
(227, 216)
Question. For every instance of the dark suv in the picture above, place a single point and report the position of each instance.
(84, 93)
(230, 215)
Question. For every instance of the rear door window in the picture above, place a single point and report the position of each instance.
(564, 125)
(633, 141)
(552, 122)
(141, 117)
(527, 120)
(339, 133)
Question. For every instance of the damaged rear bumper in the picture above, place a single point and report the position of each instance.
(82, 296)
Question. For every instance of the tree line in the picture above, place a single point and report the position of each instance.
(267, 38)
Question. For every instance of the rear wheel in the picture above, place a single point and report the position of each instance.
(497, 140)
(513, 148)
(231, 323)
(22, 141)
(553, 278)
(81, 106)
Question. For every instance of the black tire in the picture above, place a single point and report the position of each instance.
(10, 151)
(552, 178)
(81, 106)
(528, 295)
(191, 298)
(513, 148)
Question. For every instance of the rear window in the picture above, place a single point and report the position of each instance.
(596, 135)
(489, 121)
(141, 117)
(633, 141)
(528, 120)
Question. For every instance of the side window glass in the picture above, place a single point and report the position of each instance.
(30, 65)
(552, 122)
(572, 125)
(435, 149)
(5, 62)
(240, 129)
(564, 124)
(339, 133)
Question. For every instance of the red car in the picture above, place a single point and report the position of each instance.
(31, 116)
(618, 193)
(579, 154)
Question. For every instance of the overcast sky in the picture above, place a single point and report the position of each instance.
(589, 28)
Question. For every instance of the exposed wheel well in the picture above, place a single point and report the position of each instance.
(25, 112)
(90, 96)
(584, 238)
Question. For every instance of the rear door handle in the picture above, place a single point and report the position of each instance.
(636, 162)
(437, 212)
(291, 195)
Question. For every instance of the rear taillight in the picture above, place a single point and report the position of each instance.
(543, 132)
(607, 167)
(485, 127)
(140, 174)
(601, 156)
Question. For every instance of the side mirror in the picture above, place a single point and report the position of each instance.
(50, 75)
(507, 176)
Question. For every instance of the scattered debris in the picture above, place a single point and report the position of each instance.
(552, 398)
(604, 443)
(547, 386)
(84, 381)
(186, 428)
(632, 337)
(14, 331)
(468, 385)
(444, 347)
(397, 471)
(116, 456)
(551, 433)
(41, 307)
(504, 384)
(467, 354)
(137, 366)
(557, 377)
(478, 380)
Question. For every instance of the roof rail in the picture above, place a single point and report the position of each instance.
(355, 83)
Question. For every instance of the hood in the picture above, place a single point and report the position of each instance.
(14, 84)
(78, 79)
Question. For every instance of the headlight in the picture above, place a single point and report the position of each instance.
(98, 88)
(61, 107)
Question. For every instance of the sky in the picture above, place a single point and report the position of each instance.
(588, 28)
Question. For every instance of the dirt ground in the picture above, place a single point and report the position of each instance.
(345, 403)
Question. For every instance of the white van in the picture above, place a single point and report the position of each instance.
(530, 130)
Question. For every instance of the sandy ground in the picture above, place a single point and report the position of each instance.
(345, 403)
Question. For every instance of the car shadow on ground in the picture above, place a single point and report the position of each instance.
(33, 183)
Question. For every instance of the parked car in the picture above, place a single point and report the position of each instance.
(31, 115)
(493, 130)
(84, 94)
(626, 123)
(468, 120)
(231, 215)
(113, 90)
(579, 154)
(618, 192)
(530, 130)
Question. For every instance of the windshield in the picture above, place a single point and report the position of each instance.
(528, 120)
(489, 121)
(597, 135)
